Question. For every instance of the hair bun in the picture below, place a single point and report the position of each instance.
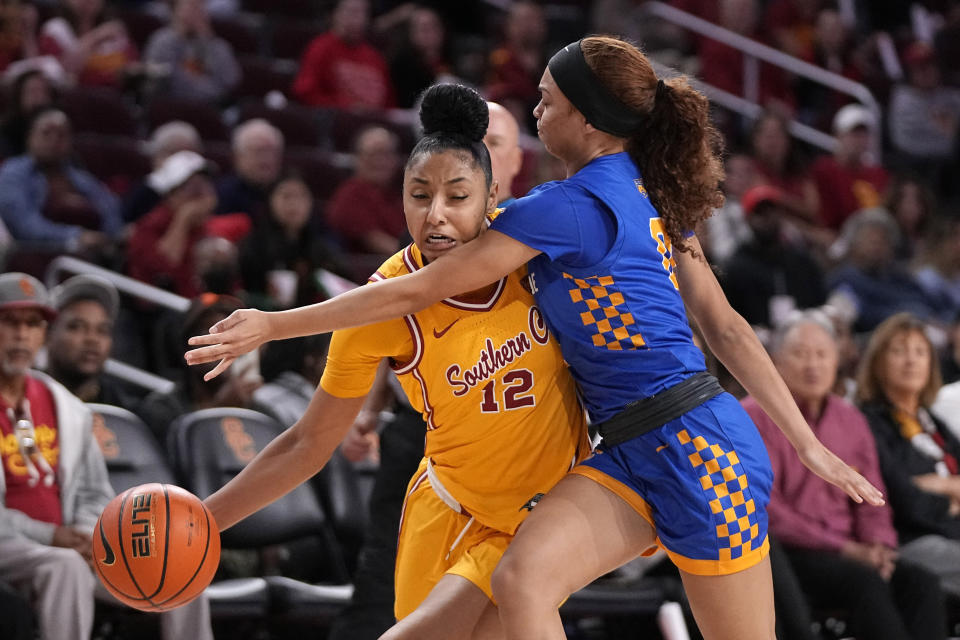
(454, 110)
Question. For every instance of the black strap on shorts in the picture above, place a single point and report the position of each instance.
(654, 411)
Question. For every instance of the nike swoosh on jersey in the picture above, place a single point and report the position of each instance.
(440, 334)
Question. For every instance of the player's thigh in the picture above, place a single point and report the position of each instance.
(451, 611)
(736, 606)
(579, 531)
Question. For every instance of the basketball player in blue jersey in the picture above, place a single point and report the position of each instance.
(613, 261)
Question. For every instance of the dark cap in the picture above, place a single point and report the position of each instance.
(22, 291)
(87, 287)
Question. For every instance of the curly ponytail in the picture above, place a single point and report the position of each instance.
(677, 148)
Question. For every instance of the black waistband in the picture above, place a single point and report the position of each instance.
(654, 411)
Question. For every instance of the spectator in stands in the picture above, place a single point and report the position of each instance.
(54, 483)
(159, 410)
(93, 48)
(81, 338)
(16, 616)
(924, 115)
(516, 65)
(217, 263)
(850, 180)
(257, 161)
(279, 259)
(950, 367)
(938, 268)
(912, 204)
(201, 66)
(832, 48)
(366, 209)
(18, 32)
(167, 139)
(161, 250)
(898, 381)
(870, 275)
(47, 201)
(292, 369)
(341, 68)
(722, 65)
(506, 156)
(421, 56)
(727, 229)
(791, 25)
(780, 165)
(843, 553)
(766, 278)
(31, 90)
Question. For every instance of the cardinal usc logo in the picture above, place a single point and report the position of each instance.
(27, 287)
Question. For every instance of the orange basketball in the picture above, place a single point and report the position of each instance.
(156, 547)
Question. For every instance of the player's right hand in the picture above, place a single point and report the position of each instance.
(241, 332)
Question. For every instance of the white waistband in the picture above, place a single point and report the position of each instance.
(440, 490)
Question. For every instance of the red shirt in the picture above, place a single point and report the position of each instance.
(804, 510)
(40, 502)
(844, 190)
(334, 73)
(147, 264)
(358, 207)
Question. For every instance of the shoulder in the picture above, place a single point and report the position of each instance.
(163, 37)
(392, 267)
(66, 402)
(322, 44)
(16, 166)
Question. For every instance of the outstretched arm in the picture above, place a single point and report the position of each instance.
(467, 268)
(736, 345)
(291, 459)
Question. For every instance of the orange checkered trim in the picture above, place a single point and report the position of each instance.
(602, 307)
(723, 479)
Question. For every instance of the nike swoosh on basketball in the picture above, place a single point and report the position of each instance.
(108, 557)
(440, 334)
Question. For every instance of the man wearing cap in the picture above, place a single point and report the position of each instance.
(54, 483)
(766, 278)
(161, 247)
(81, 338)
(849, 180)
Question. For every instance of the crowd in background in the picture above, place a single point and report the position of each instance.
(245, 153)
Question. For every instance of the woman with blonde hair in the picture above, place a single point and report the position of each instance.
(898, 380)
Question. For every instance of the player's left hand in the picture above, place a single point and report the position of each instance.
(828, 466)
(241, 332)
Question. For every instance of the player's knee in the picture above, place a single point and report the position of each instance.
(68, 570)
(510, 582)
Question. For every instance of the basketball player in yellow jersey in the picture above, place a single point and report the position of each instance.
(503, 421)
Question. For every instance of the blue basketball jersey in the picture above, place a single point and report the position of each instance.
(605, 282)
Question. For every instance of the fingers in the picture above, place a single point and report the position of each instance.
(232, 320)
(205, 339)
(222, 366)
(205, 354)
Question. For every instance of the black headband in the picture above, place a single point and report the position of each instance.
(584, 90)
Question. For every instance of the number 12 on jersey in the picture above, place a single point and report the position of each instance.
(514, 388)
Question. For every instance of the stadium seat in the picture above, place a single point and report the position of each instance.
(134, 457)
(99, 110)
(323, 171)
(299, 125)
(140, 24)
(301, 9)
(241, 31)
(346, 125)
(118, 161)
(211, 446)
(344, 489)
(289, 38)
(207, 118)
(261, 75)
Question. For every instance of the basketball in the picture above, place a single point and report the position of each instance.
(156, 547)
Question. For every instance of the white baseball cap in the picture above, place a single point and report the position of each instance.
(177, 169)
(852, 116)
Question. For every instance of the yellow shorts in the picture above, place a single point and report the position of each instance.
(428, 548)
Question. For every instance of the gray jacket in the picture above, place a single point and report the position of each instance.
(82, 473)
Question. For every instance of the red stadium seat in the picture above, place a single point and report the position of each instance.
(347, 124)
(117, 161)
(300, 125)
(241, 31)
(262, 75)
(289, 38)
(99, 110)
(206, 117)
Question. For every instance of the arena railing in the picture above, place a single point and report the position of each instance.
(68, 265)
(753, 54)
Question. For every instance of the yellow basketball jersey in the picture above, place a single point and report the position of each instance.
(503, 420)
